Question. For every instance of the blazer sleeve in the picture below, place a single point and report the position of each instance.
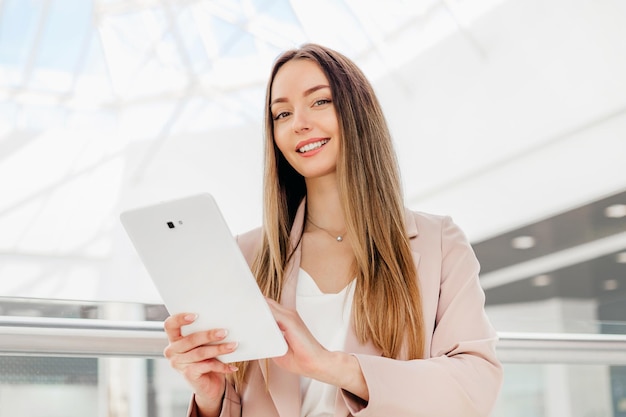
(462, 376)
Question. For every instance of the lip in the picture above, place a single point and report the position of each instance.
(306, 142)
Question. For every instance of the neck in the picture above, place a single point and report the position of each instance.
(324, 204)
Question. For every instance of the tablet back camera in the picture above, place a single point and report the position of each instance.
(170, 225)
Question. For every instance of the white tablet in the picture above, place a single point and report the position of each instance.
(197, 267)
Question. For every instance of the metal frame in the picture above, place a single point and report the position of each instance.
(27, 336)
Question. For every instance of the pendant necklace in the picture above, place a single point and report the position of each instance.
(338, 238)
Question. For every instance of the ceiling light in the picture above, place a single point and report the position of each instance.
(610, 284)
(620, 258)
(523, 242)
(542, 280)
(616, 211)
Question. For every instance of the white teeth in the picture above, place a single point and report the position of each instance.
(314, 145)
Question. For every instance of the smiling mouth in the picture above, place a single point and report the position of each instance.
(313, 146)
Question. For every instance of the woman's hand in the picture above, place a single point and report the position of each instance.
(194, 356)
(307, 357)
(305, 354)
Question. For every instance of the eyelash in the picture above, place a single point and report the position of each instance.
(325, 100)
(319, 102)
(280, 115)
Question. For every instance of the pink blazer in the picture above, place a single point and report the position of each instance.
(460, 375)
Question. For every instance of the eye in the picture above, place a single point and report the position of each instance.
(281, 115)
(322, 101)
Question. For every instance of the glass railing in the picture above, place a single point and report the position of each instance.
(52, 367)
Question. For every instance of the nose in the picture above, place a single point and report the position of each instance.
(301, 122)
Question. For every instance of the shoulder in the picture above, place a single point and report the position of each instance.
(444, 247)
(422, 223)
(427, 219)
(430, 229)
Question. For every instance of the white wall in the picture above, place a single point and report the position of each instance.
(529, 123)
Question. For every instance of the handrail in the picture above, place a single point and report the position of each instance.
(106, 338)
(575, 348)
(81, 337)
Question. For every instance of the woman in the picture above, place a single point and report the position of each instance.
(381, 307)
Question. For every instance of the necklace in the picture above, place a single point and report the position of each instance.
(338, 238)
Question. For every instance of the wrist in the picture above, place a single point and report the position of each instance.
(209, 407)
(338, 368)
(342, 370)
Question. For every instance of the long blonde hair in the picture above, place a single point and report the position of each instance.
(387, 305)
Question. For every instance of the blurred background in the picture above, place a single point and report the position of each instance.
(516, 110)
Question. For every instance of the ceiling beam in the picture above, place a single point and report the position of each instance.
(554, 261)
(34, 50)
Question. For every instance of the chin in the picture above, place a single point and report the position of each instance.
(318, 174)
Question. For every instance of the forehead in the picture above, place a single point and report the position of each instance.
(296, 76)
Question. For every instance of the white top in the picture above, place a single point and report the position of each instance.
(327, 316)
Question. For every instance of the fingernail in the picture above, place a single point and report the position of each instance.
(191, 317)
(233, 368)
(221, 333)
(231, 345)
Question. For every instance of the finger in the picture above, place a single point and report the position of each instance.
(173, 324)
(282, 313)
(276, 307)
(277, 311)
(193, 341)
(198, 369)
(272, 302)
(207, 352)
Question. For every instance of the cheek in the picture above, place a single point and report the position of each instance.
(284, 145)
(331, 122)
(279, 140)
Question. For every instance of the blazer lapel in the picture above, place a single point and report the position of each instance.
(284, 387)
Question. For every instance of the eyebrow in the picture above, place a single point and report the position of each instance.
(307, 92)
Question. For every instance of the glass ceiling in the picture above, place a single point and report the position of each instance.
(197, 59)
(81, 82)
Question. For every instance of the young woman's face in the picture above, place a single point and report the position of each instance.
(306, 129)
